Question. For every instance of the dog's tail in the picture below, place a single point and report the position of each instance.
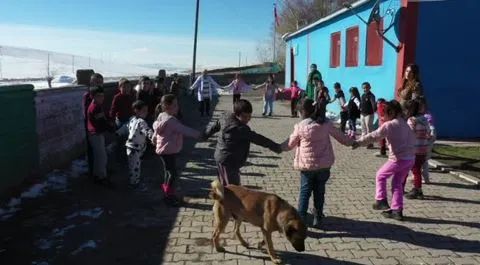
(217, 190)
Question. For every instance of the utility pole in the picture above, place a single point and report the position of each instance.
(246, 62)
(274, 33)
(1, 57)
(195, 43)
(73, 64)
(239, 59)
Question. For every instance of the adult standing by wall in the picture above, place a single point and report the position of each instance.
(205, 86)
(412, 86)
(311, 87)
(96, 80)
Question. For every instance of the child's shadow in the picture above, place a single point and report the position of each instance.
(368, 229)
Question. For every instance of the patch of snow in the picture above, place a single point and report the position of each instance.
(92, 213)
(10, 210)
(35, 191)
(88, 244)
(61, 232)
(55, 181)
(14, 202)
(44, 244)
(6, 216)
(40, 263)
(78, 168)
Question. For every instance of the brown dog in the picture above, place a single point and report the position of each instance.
(267, 211)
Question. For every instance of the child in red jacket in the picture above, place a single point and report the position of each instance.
(98, 124)
(294, 97)
(380, 112)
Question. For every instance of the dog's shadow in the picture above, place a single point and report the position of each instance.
(293, 258)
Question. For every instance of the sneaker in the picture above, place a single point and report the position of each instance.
(317, 222)
(415, 194)
(393, 214)
(381, 205)
(270, 114)
(173, 201)
(317, 219)
(426, 181)
(264, 114)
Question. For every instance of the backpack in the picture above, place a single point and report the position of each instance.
(353, 110)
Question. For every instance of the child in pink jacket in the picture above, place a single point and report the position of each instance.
(314, 156)
(401, 144)
(168, 139)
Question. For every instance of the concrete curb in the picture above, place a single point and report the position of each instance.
(447, 169)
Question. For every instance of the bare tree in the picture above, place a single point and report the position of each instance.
(293, 15)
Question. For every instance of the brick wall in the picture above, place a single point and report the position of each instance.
(60, 125)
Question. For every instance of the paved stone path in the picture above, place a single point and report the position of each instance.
(443, 229)
(137, 228)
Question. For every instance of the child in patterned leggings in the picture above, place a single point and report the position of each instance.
(138, 134)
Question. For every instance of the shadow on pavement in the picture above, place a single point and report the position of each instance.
(368, 229)
(87, 224)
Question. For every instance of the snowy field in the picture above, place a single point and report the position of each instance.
(33, 64)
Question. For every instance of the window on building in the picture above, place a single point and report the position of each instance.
(352, 47)
(335, 49)
(374, 56)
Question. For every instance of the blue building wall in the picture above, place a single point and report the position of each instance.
(382, 78)
(448, 54)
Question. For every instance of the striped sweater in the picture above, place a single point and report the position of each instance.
(421, 128)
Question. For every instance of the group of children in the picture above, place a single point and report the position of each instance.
(132, 116)
(407, 131)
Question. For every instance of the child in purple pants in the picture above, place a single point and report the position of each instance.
(401, 144)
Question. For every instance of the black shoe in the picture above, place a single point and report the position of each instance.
(383, 151)
(414, 194)
(264, 114)
(270, 114)
(393, 214)
(381, 205)
(173, 201)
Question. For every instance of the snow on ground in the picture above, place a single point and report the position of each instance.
(55, 181)
(33, 64)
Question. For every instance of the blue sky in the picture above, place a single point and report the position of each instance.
(145, 31)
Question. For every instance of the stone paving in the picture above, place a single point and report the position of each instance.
(137, 228)
(442, 229)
